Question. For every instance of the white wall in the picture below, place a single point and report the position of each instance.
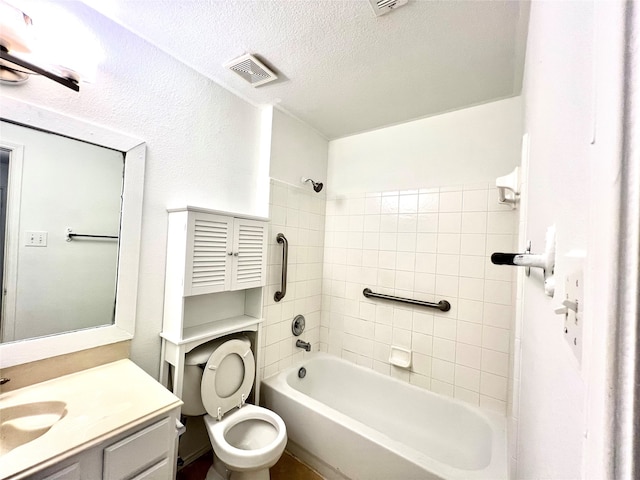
(203, 147)
(430, 244)
(571, 97)
(299, 212)
(297, 151)
(462, 147)
(412, 212)
(64, 286)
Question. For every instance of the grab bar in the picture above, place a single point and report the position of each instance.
(285, 257)
(442, 305)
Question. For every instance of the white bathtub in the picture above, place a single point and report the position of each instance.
(351, 422)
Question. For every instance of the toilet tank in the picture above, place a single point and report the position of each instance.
(195, 361)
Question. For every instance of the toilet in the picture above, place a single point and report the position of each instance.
(247, 440)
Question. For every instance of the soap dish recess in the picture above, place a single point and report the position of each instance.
(400, 357)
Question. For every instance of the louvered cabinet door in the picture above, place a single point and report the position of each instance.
(250, 254)
(208, 266)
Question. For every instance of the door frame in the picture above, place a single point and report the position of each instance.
(12, 239)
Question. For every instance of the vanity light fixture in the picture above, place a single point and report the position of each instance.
(16, 63)
(15, 70)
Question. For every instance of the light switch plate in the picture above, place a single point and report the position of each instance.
(36, 239)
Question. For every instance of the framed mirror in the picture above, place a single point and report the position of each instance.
(109, 247)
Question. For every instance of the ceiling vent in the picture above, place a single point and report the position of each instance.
(252, 70)
(380, 7)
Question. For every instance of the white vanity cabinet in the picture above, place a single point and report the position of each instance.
(147, 451)
(215, 274)
(118, 423)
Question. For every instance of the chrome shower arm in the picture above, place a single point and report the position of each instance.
(317, 186)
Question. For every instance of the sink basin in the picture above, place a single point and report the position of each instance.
(20, 424)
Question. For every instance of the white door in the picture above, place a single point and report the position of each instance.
(208, 267)
(11, 238)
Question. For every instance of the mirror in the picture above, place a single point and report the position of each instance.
(64, 308)
(61, 208)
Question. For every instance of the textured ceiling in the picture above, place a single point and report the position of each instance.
(342, 69)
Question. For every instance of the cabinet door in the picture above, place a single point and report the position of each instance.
(149, 446)
(162, 469)
(209, 247)
(250, 254)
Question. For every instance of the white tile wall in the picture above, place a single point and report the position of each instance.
(299, 213)
(428, 244)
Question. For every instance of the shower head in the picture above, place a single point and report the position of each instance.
(317, 186)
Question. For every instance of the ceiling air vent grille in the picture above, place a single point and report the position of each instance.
(380, 7)
(252, 70)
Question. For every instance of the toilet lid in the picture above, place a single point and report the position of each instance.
(227, 376)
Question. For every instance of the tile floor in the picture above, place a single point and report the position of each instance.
(287, 468)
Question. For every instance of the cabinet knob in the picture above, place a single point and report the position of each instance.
(229, 253)
(235, 254)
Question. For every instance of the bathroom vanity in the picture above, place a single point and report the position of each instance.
(109, 422)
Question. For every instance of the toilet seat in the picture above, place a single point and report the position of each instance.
(215, 397)
(240, 459)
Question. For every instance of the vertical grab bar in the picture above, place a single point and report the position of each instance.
(285, 257)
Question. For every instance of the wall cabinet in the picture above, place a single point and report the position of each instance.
(148, 451)
(209, 252)
(216, 268)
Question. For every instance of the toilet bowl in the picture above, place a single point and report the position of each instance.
(247, 439)
(251, 439)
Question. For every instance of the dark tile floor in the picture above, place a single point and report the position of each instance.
(287, 468)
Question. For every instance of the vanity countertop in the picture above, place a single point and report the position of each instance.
(100, 402)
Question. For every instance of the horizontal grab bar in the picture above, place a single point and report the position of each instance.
(442, 305)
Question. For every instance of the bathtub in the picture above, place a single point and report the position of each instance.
(350, 422)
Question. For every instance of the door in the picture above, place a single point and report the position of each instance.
(249, 254)
(208, 266)
(11, 155)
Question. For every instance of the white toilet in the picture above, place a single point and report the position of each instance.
(247, 440)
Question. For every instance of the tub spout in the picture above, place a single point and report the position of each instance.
(303, 344)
